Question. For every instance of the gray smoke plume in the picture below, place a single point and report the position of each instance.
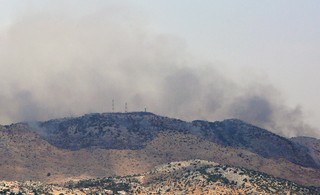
(62, 63)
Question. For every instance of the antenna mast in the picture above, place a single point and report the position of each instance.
(112, 105)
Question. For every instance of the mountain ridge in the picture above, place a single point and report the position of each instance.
(122, 143)
(134, 130)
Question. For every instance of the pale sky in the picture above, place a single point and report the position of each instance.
(267, 42)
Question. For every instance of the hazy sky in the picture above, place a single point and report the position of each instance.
(253, 60)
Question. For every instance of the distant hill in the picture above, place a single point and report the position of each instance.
(135, 130)
(109, 144)
(312, 144)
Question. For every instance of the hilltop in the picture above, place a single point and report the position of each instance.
(118, 144)
(134, 130)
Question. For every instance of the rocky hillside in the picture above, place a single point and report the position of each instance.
(181, 177)
(312, 144)
(109, 144)
(135, 130)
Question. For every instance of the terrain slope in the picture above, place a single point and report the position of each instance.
(118, 144)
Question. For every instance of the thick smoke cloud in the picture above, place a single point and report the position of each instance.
(56, 64)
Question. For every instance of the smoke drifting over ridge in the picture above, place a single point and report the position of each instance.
(61, 64)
